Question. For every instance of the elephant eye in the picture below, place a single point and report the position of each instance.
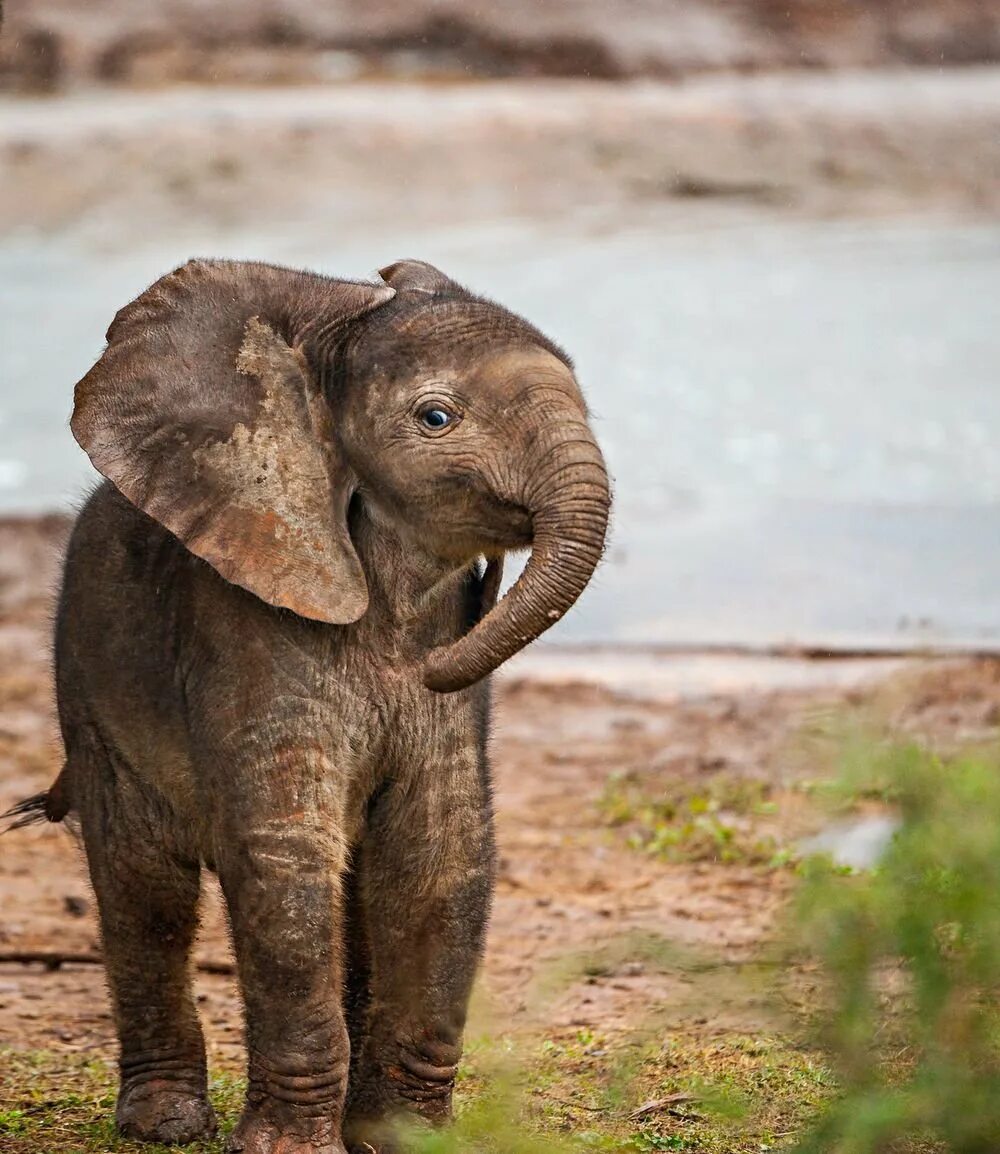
(435, 418)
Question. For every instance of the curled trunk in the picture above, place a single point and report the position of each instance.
(569, 504)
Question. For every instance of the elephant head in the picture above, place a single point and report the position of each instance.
(243, 406)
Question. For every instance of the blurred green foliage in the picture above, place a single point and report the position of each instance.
(910, 955)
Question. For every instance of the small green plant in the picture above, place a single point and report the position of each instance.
(712, 825)
(910, 954)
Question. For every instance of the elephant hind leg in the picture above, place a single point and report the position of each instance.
(147, 898)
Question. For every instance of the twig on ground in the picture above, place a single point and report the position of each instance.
(55, 959)
(656, 1104)
(575, 1105)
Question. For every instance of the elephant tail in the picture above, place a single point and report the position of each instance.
(51, 805)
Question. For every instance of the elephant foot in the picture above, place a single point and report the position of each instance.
(257, 1134)
(160, 1112)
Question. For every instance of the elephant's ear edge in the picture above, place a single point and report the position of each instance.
(208, 421)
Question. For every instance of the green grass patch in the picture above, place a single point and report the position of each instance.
(567, 1094)
(730, 1092)
(909, 955)
(717, 823)
(63, 1104)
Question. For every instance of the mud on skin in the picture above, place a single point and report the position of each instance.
(273, 640)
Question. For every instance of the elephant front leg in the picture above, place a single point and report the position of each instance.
(425, 875)
(282, 883)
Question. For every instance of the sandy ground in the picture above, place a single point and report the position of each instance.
(569, 883)
(116, 168)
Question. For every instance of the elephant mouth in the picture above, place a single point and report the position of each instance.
(511, 526)
(503, 528)
(491, 543)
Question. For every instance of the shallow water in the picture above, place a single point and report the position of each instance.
(802, 418)
(859, 843)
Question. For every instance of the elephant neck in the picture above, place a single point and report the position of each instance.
(409, 587)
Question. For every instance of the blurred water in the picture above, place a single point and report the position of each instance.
(802, 418)
(859, 843)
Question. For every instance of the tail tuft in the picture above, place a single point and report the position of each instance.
(28, 812)
(52, 805)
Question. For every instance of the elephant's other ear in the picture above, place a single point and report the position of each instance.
(417, 276)
(207, 420)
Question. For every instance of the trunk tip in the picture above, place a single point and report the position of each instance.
(445, 671)
(442, 679)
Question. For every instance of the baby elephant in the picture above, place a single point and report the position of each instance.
(276, 620)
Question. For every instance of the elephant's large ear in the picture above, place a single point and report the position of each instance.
(207, 420)
(417, 276)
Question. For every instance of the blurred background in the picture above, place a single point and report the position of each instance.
(767, 231)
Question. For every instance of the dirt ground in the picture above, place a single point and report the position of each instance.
(572, 882)
(117, 168)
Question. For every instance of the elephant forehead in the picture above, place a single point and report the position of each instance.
(485, 383)
(515, 368)
(487, 372)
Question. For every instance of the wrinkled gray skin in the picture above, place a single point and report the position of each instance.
(271, 649)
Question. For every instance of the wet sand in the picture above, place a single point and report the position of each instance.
(120, 165)
(802, 440)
